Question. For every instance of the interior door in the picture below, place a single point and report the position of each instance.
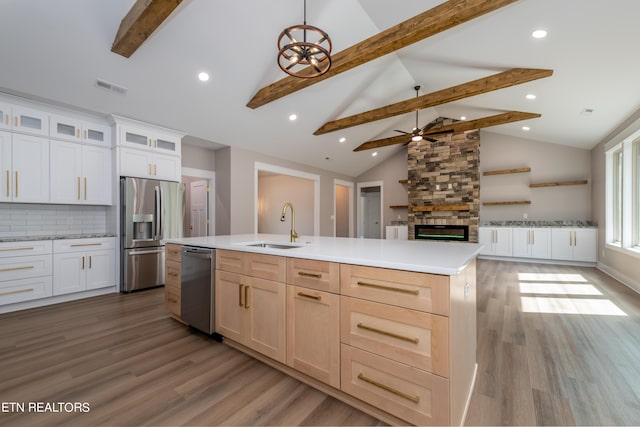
(371, 212)
(199, 208)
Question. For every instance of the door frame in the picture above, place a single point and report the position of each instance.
(211, 176)
(359, 187)
(266, 167)
(349, 185)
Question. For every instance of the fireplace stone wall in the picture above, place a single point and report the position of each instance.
(444, 181)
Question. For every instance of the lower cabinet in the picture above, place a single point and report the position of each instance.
(83, 264)
(531, 242)
(173, 278)
(574, 244)
(496, 240)
(26, 271)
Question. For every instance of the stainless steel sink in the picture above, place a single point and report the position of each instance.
(274, 245)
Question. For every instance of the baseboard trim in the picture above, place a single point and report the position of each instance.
(620, 277)
(538, 261)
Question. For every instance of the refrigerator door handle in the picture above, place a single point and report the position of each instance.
(156, 222)
(161, 215)
(156, 251)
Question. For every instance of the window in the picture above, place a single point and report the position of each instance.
(623, 195)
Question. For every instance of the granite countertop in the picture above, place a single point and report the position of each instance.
(541, 224)
(55, 237)
(448, 258)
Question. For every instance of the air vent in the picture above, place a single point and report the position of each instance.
(587, 111)
(112, 87)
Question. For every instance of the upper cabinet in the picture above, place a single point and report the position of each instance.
(75, 130)
(151, 139)
(25, 168)
(5, 116)
(27, 120)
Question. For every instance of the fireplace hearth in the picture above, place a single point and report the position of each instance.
(457, 233)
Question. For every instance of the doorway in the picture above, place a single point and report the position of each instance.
(199, 209)
(342, 208)
(370, 210)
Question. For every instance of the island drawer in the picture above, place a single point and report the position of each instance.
(419, 291)
(269, 267)
(172, 300)
(320, 275)
(173, 272)
(173, 252)
(408, 336)
(231, 261)
(408, 393)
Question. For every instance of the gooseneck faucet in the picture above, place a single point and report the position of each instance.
(293, 233)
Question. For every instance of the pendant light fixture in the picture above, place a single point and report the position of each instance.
(303, 58)
(417, 135)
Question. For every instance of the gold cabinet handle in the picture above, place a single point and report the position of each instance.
(26, 267)
(85, 134)
(150, 173)
(8, 184)
(155, 169)
(388, 334)
(85, 188)
(78, 132)
(315, 297)
(16, 120)
(6, 120)
(172, 274)
(240, 295)
(305, 274)
(414, 399)
(83, 263)
(170, 299)
(246, 297)
(19, 291)
(85, 244)
(78, 188)
(16, 184)
(17, 249)
(389, 288)
(90, 259)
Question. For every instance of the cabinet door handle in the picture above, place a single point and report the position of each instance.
(414, 399)
(387, 333)
(78, 188)
(533, 237)
(389, 288)
(26, 267)
(240, 295)
(6, 120)
(78, 132)
(246, 297)
(85, 134)
(90, 259)
(150, 173)
(304, 273)
(83, 263)
(16, 121)
(8, 184)
(315, 297)
(18, 291)
(155, 169)
(85, 188)
(16, 184)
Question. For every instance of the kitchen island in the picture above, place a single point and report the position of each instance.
(387, 326)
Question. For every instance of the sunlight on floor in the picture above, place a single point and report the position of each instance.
(538, 295)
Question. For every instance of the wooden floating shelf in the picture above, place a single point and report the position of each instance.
(506, 171)
(441, 208)
(399, 206)
(515, 202)
(403, 181)
(558, 184)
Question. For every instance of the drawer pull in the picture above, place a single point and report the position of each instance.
(75, 245)
(19, 291)
(16, 249)
(240, 295)
(26, 267)
(390, 288)
(389, 334)
(246, 297)
(414, 399)
(315, 297)
(304, 273)
(174, 300)
(172, 274)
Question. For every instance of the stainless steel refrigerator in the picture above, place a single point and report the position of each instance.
(151, 211)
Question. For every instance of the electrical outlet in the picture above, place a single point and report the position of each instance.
(525, 215)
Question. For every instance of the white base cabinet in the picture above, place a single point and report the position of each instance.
(83, 264)
(531, 242)
(574, 244)
(25, 271)
(496, 240)
(397, 232)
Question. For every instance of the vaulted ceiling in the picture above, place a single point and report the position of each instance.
(55, 51)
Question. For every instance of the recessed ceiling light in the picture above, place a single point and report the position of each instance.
(375, 153)
(539, 34)
(343, 139)
(530, 96)
(203, 76)
(526, 128)
(293, 117)
(463, 117)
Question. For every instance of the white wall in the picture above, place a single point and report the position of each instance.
(273, 192)
(548, 163)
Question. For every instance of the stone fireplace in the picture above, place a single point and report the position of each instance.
(444, 181)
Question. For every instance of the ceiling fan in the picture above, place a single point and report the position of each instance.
(418, 134)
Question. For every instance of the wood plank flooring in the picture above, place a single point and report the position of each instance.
(134, 365)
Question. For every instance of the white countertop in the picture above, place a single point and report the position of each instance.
(448, 258)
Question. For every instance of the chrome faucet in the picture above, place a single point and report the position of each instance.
(293, 233)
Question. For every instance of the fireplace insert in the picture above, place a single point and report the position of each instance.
(458, 233)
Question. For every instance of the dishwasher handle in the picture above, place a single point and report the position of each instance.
(197, 252)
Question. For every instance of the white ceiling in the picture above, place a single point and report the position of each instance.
(55, 50)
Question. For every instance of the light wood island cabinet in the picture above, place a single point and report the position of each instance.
(173, 278)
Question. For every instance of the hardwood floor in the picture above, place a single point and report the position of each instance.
(134, 365)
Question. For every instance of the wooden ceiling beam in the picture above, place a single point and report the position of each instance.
(433, 21)
(502, 80)
(144, 17)
(461, 126)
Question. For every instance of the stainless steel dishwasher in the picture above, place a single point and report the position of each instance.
(197, 295)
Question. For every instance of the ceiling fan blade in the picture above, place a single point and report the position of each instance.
(401, 131)
(508, 78)
(400, 139)
(427, 127)
(442, 17)
(498, 119)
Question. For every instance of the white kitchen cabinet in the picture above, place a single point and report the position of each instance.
(25, 168)
(75, 130)
(80, 174)
(145, 164)
(27, 120)
(496, 241)
(531, 242)
(150, 139)
(397, 232)
(5, 116)
(83, 264)
(25, 271)
(574, 244)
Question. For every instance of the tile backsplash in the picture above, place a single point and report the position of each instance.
(46, 220)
